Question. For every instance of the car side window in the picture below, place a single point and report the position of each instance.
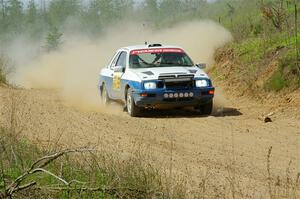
(122, 59)
(115, 59)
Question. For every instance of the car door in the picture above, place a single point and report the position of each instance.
(107, 74)
(119, 70)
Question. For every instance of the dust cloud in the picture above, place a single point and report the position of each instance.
(74, 69)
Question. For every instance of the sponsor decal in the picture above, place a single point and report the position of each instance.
(157, 50)
(117, 80)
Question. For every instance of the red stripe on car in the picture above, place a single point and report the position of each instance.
(157, 50)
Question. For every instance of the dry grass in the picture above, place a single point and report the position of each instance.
(101, 174)
(28, 171)
(54, 172)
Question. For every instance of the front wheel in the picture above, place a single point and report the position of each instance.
(206, 109)
(132, 109)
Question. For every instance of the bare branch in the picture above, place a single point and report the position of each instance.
(48, 159)
(49, 173)
(26, 186)
(76, 181)
(37, 166)
(95, 189)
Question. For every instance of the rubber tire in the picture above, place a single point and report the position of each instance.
(104, 96)
(132, 109)
(207, 108)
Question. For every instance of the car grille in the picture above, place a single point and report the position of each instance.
(184, 85)
(177, 81)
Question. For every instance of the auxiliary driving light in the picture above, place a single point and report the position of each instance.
(176, 95)
(180, 94)
(186, 95)
(171, 95)
(166, 95)
(191, 94)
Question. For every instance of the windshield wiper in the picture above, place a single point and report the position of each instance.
(186, 65)
(166, 63)
(173, 64)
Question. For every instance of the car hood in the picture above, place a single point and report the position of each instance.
(153, 73)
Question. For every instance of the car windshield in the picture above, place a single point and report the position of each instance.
(159, 58)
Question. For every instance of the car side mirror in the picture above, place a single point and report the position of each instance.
(201, 65)
(119, 69)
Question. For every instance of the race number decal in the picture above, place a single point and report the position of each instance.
(117, 81)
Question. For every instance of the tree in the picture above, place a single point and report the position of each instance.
(104, 10)
(3, 8)
(151, 10)
(170, 11)
(14, 8)
(276, 13)
(53, 39)
(36, 22)
(15, 15)
(3, 17)
(122, 8)
(31, 12)
(60, 10)
(99, 13)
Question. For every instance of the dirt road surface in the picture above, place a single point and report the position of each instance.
(232, 143)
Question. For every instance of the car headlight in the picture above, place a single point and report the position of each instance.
(201, 83)
(150, 85)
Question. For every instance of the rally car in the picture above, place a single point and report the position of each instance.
(153, 77)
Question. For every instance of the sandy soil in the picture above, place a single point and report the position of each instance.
(231, 144)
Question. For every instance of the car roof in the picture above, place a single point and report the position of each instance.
(138, 47)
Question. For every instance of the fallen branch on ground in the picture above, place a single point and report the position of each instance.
(38, 166)
(94, 189)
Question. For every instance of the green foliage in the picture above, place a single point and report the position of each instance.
(15, 15)
(260, 28)
(53, 39)
(244, 18)
(250, 50)
(5, 69)
(150, 7)
(32, 13)
(276, 53)
(59, 11)
(290, 70)
(276, 82)
(2, 76)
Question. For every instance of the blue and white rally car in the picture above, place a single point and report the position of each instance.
(155, 76)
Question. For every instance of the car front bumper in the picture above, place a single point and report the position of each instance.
(157, 99)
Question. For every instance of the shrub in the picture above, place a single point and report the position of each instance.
(53, 40)
(290, 70)
(276, 82)
(3, 79)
